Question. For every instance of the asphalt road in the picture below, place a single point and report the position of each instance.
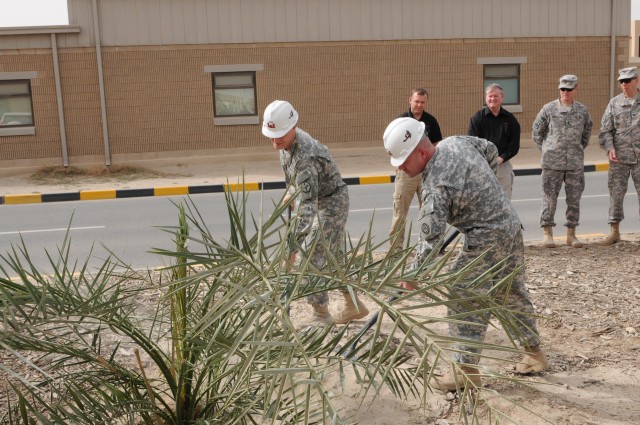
(128, 228)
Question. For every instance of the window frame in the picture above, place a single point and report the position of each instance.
(12, 77)
(217, 87)
(239, 69)
(502, 61)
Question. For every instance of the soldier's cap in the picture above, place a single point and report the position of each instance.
(631, 72)
(279, 117)
(568, 82)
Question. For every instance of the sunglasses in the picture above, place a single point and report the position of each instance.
(626, 80)
(564, 89)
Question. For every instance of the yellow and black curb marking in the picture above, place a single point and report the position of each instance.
(90, 195)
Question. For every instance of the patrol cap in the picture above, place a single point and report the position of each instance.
(568, 82)
(625, 73)
(279, 117)
(401, 137)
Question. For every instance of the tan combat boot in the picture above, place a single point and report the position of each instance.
(548, 237)
(351, 311)
(458, 379)
(572, 240)
(321, 315)
(613, 237)
(533, 361)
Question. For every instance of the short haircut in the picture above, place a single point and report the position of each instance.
(492, 87)
(420, 91)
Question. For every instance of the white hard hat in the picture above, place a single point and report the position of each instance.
(278, 119)
(401, 137)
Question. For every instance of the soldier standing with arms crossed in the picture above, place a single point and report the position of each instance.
(561, 131)
(461, 189)
(405, 186)
(323, 200)
(620, 137)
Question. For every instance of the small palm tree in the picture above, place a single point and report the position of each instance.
(218, 345)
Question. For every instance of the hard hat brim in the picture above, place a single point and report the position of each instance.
(266, 131)
(396, 162)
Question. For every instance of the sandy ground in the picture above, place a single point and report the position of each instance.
(588, 300)
(589, 303)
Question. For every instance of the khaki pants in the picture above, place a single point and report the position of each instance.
(405, 188)
(505, 177)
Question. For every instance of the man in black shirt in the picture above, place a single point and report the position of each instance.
(405, 186)
(500, 127)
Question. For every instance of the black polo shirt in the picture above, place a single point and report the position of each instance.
(431, 126)
(503, 130)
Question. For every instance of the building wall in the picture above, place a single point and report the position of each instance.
(159, 98)
(46, 142)
(183, 22)
(635, 39)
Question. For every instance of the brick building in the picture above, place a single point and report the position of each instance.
(144, 79)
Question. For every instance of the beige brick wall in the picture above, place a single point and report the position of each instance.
(159, 99)
(46, 141)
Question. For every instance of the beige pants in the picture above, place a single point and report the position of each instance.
(405, 188)
(505, 177)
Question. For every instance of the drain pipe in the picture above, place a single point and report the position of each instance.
(103, 103)
(56, 74)
(612, 60)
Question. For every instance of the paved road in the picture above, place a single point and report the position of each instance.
(130, 227)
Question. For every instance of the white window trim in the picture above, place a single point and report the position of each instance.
(252, 67)
(505, 61)
(24, 75)
(502, 60)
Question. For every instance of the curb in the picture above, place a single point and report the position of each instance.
(91, 195)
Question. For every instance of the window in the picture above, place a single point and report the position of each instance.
(508, 76)
(506, 72)
(15, 104)
(234, 93)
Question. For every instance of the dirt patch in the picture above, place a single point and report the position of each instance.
(588, 300)
(73, 175)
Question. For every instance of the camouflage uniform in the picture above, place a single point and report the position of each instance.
(562, 133)
(323, 200)
(460, 188)
(620, 129)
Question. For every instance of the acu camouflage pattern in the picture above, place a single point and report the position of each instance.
(573, 186)
(460, 188)
(562, 133)
(620, 129)
(323, 200)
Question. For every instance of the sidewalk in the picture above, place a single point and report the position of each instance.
(363, 163)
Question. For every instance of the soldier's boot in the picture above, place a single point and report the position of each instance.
(351, 311)
(572, 240)
(533, 361)
(456, 380)
(548, 237)
(613, 237)
(321, 315)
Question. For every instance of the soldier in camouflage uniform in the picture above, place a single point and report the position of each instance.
(323, 200)
(562, 130)
(620, 137)
(460, 188)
